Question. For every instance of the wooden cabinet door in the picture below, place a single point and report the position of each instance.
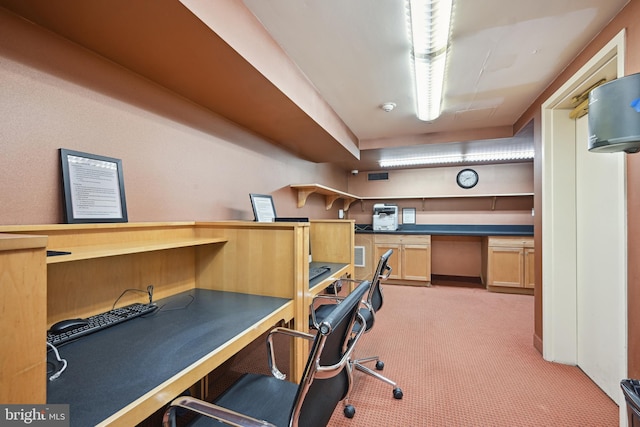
(529, 268)
(506, 267)
(411, 259)
(394, 259)
(416, 263)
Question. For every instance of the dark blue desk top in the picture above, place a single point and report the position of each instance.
(111, 368)
(454, 230)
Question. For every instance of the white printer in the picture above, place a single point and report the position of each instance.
(385, 217)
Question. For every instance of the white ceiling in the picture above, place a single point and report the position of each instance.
(502, 55)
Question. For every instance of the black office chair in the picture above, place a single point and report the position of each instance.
(263, 400)
(372, 304)
(631, 391)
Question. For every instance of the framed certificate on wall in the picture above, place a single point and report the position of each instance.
(93, 188)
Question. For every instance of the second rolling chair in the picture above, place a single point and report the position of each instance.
(371, 305)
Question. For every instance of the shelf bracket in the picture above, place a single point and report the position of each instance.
(330, 199)
(347, 203)
(302, 197)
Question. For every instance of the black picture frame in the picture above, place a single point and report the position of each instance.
(263, 207)
(408, 215)
(93, 188)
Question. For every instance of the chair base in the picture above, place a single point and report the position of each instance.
(359, 365)
(349, 410)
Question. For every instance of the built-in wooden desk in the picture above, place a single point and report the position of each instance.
(22, 318)
(263, 261)
(123, 373)
(332, 243)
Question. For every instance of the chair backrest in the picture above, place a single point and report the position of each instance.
(383, 270)
(326, 378)
(631, 390)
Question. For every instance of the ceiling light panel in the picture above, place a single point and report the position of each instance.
(430, 23)
(513, 149)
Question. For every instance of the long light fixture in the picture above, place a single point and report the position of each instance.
(430, 21)
(503, 155)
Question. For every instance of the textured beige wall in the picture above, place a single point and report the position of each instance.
(432, 183)
(180, 161)
(493, 179)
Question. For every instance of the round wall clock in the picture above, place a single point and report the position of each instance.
(467, 178)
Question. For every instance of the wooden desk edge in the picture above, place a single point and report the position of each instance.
(10, 242)
(147, 404)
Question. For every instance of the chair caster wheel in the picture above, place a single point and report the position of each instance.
(349, 411)
(397, 393)
(379, 365)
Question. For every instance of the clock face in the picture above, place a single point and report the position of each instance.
(467, 178)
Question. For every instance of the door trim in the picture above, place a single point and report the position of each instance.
(559, 293)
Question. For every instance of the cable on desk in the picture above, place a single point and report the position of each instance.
(63, 361)
(149, 292)
(162, 307)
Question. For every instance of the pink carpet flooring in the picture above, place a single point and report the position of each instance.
(464, 357)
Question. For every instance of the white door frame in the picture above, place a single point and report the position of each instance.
(559, 295)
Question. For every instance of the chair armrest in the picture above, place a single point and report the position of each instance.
(212, 411)
(270, 349)
(386, 273)
(312, 307)
(331, 297)
(330, 371)
(347, 279)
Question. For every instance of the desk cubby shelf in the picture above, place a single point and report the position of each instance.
(101, 251)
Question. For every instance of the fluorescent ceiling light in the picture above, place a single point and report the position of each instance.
(416, 161)
(430, 21)
(459, 158)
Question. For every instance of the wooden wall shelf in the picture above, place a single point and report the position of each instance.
(331, 195)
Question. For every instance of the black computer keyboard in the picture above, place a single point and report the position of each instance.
(101, 321)
(317, 271)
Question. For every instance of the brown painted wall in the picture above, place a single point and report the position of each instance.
(180, 161)
(628, 19)
(509, 178)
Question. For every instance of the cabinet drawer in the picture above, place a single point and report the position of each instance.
(510, 242)
(403, 239)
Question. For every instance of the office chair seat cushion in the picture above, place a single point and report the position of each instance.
(259, 396)
(323, 311)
